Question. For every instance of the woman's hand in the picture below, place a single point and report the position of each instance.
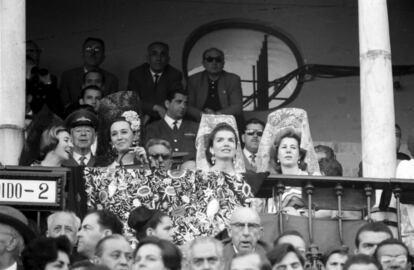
(140, 154)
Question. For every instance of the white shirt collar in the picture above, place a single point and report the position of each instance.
(77, 156)
(170, 121)
(155, 73)
(247, 153)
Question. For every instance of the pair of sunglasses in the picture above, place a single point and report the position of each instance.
(210, 59)
(157, 156)
(252, 132)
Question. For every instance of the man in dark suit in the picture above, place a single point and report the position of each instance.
(179, 132)
(93, 55)
(82, 124)
(251, 138)
(214, 91)
(154, 79)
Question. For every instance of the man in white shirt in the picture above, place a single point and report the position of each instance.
(82, 124)
(251, 138)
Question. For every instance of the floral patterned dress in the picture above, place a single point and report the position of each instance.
(199, 203)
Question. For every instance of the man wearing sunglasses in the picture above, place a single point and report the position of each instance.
(251, 138)
(214, 91)
(393, 254)
(93, 55)
(159, 154)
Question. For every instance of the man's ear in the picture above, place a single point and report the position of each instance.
(12, 244)
(166, 103)
(47, 233)
(243, 138)
(81, 102)
(149, 232)
(96, 260)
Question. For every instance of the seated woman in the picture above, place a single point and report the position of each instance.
(47, 253)
(150, 222)
(55, 147)
(124, 134)
(157, 254)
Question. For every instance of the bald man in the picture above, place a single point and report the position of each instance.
(245, 231)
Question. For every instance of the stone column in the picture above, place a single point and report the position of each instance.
(12, 79)
(377, 97)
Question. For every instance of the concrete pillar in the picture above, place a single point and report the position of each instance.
(377, 97)
(12, 79)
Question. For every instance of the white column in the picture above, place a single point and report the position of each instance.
(12, 79)
(377, 97)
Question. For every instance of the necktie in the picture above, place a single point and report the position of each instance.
(156, 78)
(253, 158)
(82, 161)
(175, 125)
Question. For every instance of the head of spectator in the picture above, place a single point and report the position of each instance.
(91, 95)
(95, 226)
(221, 147)
(176, 104)
(324, 151)
(369, 236)
(253, 134)
(330, 167)
(159, 154)
(150, 222)
(82, 265)
(205, 253)
(82, 124)
(158, 56)
(245, 229)
(47, 254)
(93, 52)
(115, 252)
(290, 157)
(294, 238)
(249, 261)
(213, 62)
(157, 254)
(335, 259)
(33, 51)
(14, 233)
(285, 257)
(55, 146)
(393, 254)
(362, 262)
(63, 223)
(94, 77)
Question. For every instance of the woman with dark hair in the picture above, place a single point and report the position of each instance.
(149, 222)
(221, 148)
(285, 256)
(157, 254)
(47, 254)
(55, 147)
(290, 157)
(124, 134)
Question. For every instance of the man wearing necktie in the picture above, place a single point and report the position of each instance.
(179, 132)
(154, 79)
(251, 138)
(82, 124)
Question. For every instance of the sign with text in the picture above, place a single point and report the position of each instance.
(33, 188)
(28, 191)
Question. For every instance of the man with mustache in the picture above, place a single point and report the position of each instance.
(179, 132)
(251, 138)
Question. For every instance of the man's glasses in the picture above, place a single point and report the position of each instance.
(251, 132)
(210, 59)
(93, 49)
(400, 259)
(250, 226)
(158, 156)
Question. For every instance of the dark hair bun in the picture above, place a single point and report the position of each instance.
(139, 217)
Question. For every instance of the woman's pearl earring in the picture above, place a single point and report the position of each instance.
(213, 159)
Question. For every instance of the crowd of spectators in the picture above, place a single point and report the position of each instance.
(63, 126)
